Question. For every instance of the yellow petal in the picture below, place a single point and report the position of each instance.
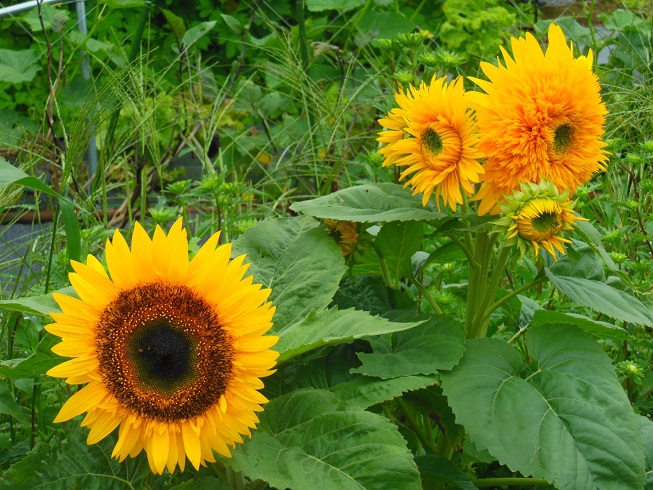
(103, 426)
(191, 444)
(81, 402)
(159, 447)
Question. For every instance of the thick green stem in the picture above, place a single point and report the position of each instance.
(480, 319)
(425, 439)
(429, 297)
(235, 479)
(509, 296)
(477, 278)
(466, 250)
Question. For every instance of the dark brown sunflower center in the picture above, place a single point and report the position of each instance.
(563, 138)
(431, 141)
(163, 352)
(163, 355)
(546, 222)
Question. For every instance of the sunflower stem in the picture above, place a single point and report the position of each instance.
(427, 294)
(424, 439)
(384, 269)
(509, 296)
(482, 317)
(468, 236)
(477, 277)
(468, 253)
(235, 479)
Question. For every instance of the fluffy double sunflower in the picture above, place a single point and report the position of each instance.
(172, 350)
(432, 133)
(541, 117)
(536, 216)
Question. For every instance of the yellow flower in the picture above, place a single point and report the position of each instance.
(172, 349)
(433, 134)
(541, 118)
(345, 233)
(536, 216)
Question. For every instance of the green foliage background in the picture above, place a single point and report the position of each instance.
(259, 119)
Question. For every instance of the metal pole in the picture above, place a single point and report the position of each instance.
(22, 7)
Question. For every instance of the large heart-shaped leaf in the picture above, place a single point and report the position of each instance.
(18, 66)
(434, 345)
(331, 327)
(396, 243)
(370, 203)
(365, 391)
(581, 281)
(298, 260)
(309, 439)
(565, 419)
(71, 463)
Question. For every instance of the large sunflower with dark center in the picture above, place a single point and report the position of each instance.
(541, 117)
(172, 349)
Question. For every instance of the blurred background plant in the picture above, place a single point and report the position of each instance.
(227, 112)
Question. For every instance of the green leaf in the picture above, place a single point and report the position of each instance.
(73, 231)
(365, 391)
(396, 243)
(646, 429)
(624, 21)
(384, 25)
(41, 305)
(298, 260)
(320, 370)
(123, 4)
(195, 33)
(370, 203)
(308, 439)
(232, 23)
(579, 262)
(601, 330)
(593, 238)
(449, 252)
(34, 365)
(363, 293)
(209, 483)
(566, 419)
(18, 66)
(575, 32)
(175, 22)
(322, 5)
(599, 296)
(332, 326)
(13, 175)
(434, 468)
(69, 463)
(50, 14)
(9, 406)
(432, 346)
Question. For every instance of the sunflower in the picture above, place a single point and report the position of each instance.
(433, 134)
(172, 349)
(541, 118)
(345, 233)
(536, 216)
